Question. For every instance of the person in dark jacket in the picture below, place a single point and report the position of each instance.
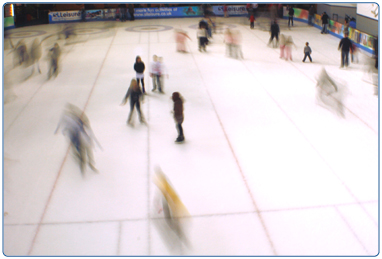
(139, 68)
(291, 14)
(178, 115)
(131, 12)
(311, 15)
(345, 46)
(325, 22)
(135, 95)
(275, 31)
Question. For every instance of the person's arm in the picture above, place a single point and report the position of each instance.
(126, 96)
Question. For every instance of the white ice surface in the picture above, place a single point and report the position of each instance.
(264, 170)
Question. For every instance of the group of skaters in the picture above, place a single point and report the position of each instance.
(137, 91)
(26, 57)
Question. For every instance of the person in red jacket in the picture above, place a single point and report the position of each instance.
(178, 115)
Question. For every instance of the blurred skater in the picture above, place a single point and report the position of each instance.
(282, 45)
(76, 126)
(307, 52)
(354, 54)
(21, 53)
(330, 93)
(139, 68)
(228, 40)
(180, 37)
(163, 73)
(36, 52)
(178, 115)
(236, 44)
(135, 94)
(155, 74)
(173, 208)
(202, 37)
(54, 54)
(288, 48)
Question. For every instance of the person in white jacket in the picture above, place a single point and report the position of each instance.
(155, 74)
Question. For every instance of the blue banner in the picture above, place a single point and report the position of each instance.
(186, 11)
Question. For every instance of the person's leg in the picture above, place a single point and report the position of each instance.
(342, 58)
(305, 57)
(347, 58)
(310, 58)
(154, 82)
(159, 83)
(132, 103)
(143, 85)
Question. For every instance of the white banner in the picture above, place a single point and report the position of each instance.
(368, 10)
(64, 16)
(232, 10)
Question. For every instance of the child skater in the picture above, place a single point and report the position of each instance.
(135, 95)
(307, 51)
(252, 21)
(282, 45)
(178, 115)
(139, 68)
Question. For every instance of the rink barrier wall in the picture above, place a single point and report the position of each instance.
(141, 13)
(362, 40)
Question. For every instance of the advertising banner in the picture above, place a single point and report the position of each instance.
(233, 10)
(94, 14)
(9, 22)
(187, 11)
(64, 16)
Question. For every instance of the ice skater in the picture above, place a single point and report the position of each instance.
(345, 46)
(329, 93)
(54, 54)
(21, 53)
(178, 115)
(288, 48)
(172, 206)
(155, 74)
(228, 40)
(307, 52)
(139, 68)
(282, 45)
(36, 52)
(136, 95)
(202, 37)
(163, 73)
(181, 37)
(76, 126)
(275, 31)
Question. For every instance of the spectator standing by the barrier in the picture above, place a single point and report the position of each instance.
(325, 22)
(225, 9)
(122, 11)
(311, 15)
(291, 14)
(252, 21)
(139, 68)
(131, 12)
(345, 46)
(376, 51)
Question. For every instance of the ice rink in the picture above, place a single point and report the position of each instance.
(266, 169)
